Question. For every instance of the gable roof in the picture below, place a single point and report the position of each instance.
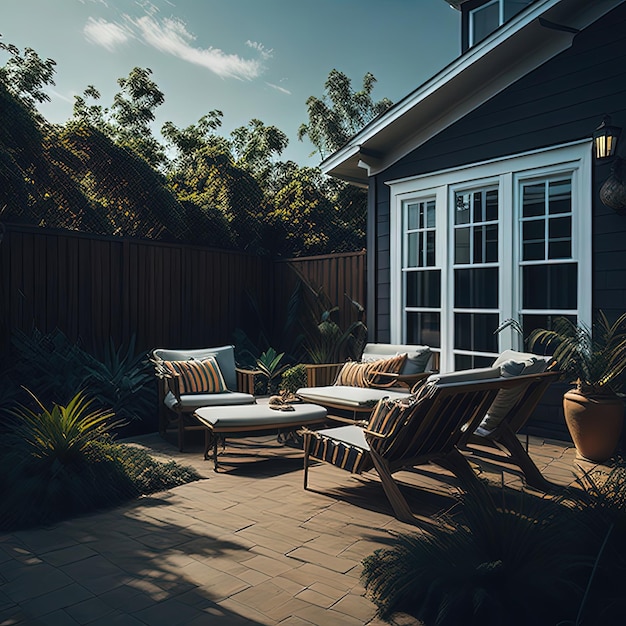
(540, 32)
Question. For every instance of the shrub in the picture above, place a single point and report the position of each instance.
(294, 378)
(503, 559)
(63, 462)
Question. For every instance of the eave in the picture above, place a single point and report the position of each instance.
(536, 35)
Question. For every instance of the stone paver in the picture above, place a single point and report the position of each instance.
(246, 545)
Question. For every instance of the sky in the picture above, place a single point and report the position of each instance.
(247, 58)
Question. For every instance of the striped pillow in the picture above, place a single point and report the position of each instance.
(355, 374)
(197, 376)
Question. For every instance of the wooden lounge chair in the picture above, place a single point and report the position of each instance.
(421, 428)
(360, 385)
(504, 435)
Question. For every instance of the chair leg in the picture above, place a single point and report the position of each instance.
(398, 502)
(512, 445)
(181, 431)
(305, 444)
(456, 463)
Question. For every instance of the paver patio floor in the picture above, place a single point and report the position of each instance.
(246, 545)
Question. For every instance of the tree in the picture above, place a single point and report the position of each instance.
(340, 113)
(25, 76)
(187, 141)
(132, 113)
(254, 147)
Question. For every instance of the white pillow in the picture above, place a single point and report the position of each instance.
(511, 364)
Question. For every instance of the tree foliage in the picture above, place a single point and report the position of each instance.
(104, 170)
(340, 113)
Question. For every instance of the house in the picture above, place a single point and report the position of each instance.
(483, 192)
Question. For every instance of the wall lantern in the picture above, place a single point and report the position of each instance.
(613, 190)
(605, 139)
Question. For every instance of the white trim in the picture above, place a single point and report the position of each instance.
(515, 49)
(507, 174)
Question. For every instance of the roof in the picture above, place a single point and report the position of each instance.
(540, 32)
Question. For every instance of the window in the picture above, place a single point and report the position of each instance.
(475, 246)
(422, 278)
(476, 271)
(549, 270)
(488, 17)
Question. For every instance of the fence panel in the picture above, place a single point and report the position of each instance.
(94, 288)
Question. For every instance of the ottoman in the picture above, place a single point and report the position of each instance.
(251, 418)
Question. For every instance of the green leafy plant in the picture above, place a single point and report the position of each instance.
(123, 381)
(294, 378)
(326, 341)
(268, 365)
(592, 357)
(496, 559)
(50, 363)
(60, 462)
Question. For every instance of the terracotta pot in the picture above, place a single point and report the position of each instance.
(595, 424)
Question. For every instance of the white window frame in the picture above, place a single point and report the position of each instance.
(473, 12)
(509, 172)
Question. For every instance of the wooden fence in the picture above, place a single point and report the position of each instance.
(164, 294)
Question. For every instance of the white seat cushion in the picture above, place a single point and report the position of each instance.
(358, 397)
(193, 400)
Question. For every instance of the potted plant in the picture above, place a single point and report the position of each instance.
(594, 359)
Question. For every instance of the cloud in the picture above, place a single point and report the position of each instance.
(260, 48)
(279, 88)
(172, 37)
(109, 35)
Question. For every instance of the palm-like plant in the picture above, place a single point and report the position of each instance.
(59, 462)
(497, 561)
(268, 365)
(592, 357)
(63, 434)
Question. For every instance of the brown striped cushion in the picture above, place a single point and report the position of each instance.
(197, 376)
(355, 374)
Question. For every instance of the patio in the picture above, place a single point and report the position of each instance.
(244, 546)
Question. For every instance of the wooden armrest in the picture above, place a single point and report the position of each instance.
(246, 379)
(348, 420)
(374, 433)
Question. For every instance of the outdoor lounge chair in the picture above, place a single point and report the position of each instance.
(360, 385)
(423, 427)
(191, 379)
(503, 435)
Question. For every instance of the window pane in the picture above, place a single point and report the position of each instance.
(492, 206)
(423, 289)
(484, 21)
(550, 286)
(475, 331)
(462, 246)
(479, 235)
(533, 200)
(462, 204)
(560, 197)
(412, 243)
(423, 328)
(430, 214)
(560, 244)
(413, 216)
(478, 207)
(513, 7)
(491, 243)
(469, 361)
(430, 248)
(476, 288)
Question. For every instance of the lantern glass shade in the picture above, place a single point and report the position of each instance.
(605, 139)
